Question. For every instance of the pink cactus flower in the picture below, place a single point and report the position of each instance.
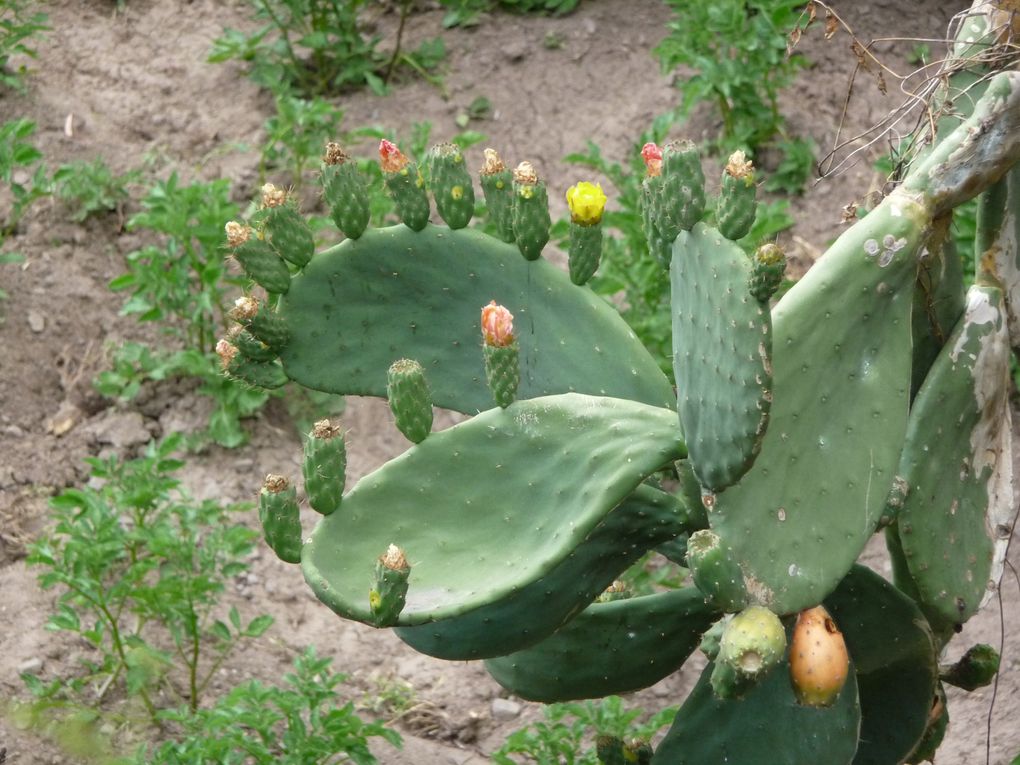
(497, 325)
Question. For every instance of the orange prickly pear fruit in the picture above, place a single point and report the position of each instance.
(818, 659)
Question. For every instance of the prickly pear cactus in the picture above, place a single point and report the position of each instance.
(796, 432)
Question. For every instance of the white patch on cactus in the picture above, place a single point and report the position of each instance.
(871, 248)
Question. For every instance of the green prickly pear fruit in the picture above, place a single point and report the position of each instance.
(325, 467)
(616, 591)
(713, 636)
(501, 352)
(249, 346)
(651, 192)
(819, 662)
(261, 321)
(344, 190)
(768, 266)
(285, 228)
(587, 203)
(405, 185)
(736, 207)
(681, 201)
(975, 669)
(752, 642)
(257, 257)
(280, 517)
(715, 572)
(451, 185)
(261, 374)
(497, 185)
(531, 219)
(388, 597)
(410, 399)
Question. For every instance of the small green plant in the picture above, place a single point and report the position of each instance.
(737, 49)
(795, 167)
(141, 567)
(18, 153)
(465, 13)
(183, 283)
(17, 27)
(8, 258)
(566, 735)
(295, 135)
(302, 723)
(91, 188)
(317, 48)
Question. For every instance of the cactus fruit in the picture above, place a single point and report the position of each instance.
(768, 267)
(325, 467)
(531, 220)
(499, 346)
(497, 185)
(451, 185)
(818, 658)
(681, 199)
(975, 669)
(753, 642)
(389, 596)
(249, 346)
(257, 257)
(345, 192)
(715, 572)
(410, 400)
(406, 186)
(736, 207)
(586, 202)
(285, 227)
(279, 515)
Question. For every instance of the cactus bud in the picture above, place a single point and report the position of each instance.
(587, 203)
(736, 207)
(325, 467)
(616, 591)
(343, 188)
(237, 233)
(410, 399)
(652, 155)
(280, 518)
(682, 199)
(819, 663)
(497, 185)
(226, 351)
(768, 266)
(273, 196)
(713, 637)
(405, 185)
(531, 221)
(500, 350)
(256, 372)
(245, 308)
(289, 234)
(389, 596)
(249, 346)
(391, 159)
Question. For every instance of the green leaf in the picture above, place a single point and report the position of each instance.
(258, 625)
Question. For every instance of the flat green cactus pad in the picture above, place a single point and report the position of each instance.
(609, 648)
(798, 520)
(507, 499)
(395, 293)
(765, 726)
(722, 343)
(895, 658)
(955, 520)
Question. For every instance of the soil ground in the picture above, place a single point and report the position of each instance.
(137, 84)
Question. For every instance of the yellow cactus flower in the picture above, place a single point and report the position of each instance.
(587, 202)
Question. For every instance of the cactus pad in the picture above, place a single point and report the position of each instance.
(392, 292)
(581, 456)
(955, 521)
(609, 648)
(800, 517)
(722, 344)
